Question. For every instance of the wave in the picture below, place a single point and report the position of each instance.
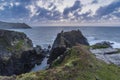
(93, 40)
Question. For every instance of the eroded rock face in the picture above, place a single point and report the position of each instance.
(69, 39)
(66, 40)
(17, 54)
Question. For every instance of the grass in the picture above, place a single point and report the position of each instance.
(78, 64)
(99, 46)
(16, 47)
(19, 44)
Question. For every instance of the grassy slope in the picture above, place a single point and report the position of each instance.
(79, 64)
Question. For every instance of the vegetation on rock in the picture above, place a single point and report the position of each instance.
(78, 64)
(73, 62)
(101, 45)
(17, 54)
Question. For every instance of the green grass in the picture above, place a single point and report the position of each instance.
(99, 46)
(16, 47)
(78, 64)
(19, 45)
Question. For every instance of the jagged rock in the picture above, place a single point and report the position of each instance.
(69, 39)
(55, 53)
(66, 40)
(16, 53)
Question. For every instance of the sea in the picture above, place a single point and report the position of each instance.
(45, 36)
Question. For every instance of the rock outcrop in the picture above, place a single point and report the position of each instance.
(17, 54)
(69, 39)
(66, 40)
(105, 52)
(7, 25)
(101, 45)
(78, 64)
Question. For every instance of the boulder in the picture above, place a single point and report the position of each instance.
(17, 54)
(65, 40)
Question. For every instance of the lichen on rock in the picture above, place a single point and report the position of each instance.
(17, 54)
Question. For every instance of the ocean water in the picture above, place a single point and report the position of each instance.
(46, 35)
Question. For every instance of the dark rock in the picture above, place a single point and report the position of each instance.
(55, 53)
(66, 40)
(7, 25)
(69, 39)
(16, 53)
(38, 49)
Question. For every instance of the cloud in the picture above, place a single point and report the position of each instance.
(94, 1)
(108, 9)
(76, 6)
(32, 10)
(59, 10)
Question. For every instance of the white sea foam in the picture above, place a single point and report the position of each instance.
(93, 40)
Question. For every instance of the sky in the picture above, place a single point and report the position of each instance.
(61, 12)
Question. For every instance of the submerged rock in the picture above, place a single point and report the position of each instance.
(65, 40)
(16, 53)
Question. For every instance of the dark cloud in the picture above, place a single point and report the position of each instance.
(77, 5)
(14, 12)
(94, 1)
(109, 9)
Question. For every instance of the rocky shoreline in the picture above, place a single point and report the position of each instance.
(104, 51)
(70, 58)
(17, 54)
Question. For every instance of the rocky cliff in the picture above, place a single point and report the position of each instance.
(66, 40)
(75, 63)
(69, 39)
(7, 25)
(16, 53)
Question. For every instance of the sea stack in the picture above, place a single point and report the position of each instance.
(66, 40)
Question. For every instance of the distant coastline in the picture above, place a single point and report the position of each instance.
(10, 25)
